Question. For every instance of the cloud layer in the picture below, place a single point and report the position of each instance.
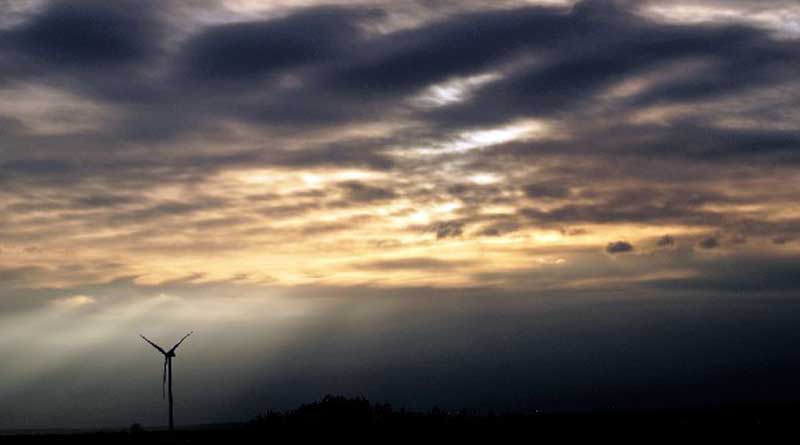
(136, 134)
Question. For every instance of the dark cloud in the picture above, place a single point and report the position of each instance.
(447, 229)
(15, 276)
(499, 228)
(318, 63)
(572, 231)
(34, 167)
(616, 47)
(667, 205)
(414, 264)
(343, 155)
(89, 33)
(359, 192)
(105, 200)
(324, 227)
(222, 222)
(738, 239)
(757, 276)
(666, 240)
(619, 247)
(552, 189)
(708, 243)
(10, 125)
(603, 213)
(288, 210)
(245, 52)
(783, 239)
(165, 210)
(479, 194)
(669, 142)
(403, 62)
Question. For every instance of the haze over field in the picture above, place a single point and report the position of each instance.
(492, 204)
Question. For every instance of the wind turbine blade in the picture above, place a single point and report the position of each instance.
(164, 380)
(153, 344)
(179, 343)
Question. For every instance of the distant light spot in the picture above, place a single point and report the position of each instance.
(75, 301)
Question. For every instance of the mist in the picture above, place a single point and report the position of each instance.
(83, 365)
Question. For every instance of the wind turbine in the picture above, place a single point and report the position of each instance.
(168, 355)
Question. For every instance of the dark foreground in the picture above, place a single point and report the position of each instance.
(357, 420)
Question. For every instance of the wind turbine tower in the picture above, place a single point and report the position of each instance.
(167, 377)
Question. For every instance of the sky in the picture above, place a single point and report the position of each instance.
(489, 204)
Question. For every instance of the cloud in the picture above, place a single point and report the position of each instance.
(547, 190)
(783, 239)
(251, 50)
(666, 240)
(619, 247)
(359, 192)
(586, 64)
(447, 229)
(421, 263)
(89, 34)
(753, 275)
(105, 200)
(406, 61)
(708, 243)
(573, 231)
(640, 124)
(15, 276)
(500, 228)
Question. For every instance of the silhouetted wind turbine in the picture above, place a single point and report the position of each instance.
(168, 355)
